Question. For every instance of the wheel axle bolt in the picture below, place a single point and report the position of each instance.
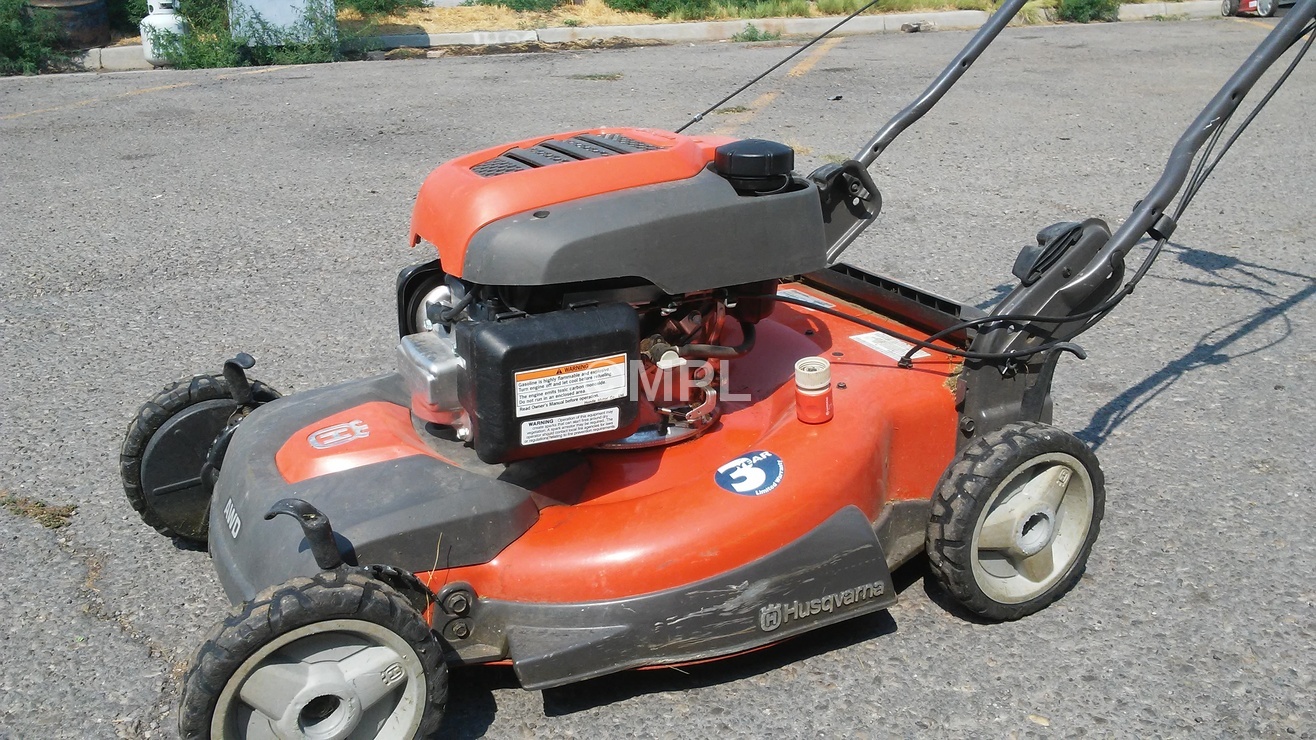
(457, 602)
(461, 630)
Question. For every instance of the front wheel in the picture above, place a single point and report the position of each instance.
(1228, 8)
(338, 656)
(1266, 8)
(165, 450)
(1014, 520)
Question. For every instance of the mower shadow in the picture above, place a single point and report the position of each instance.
(472, 705)
(1213, 347)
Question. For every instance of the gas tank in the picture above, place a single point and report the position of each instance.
(612, 203)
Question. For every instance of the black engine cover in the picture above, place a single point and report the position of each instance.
(544, 383)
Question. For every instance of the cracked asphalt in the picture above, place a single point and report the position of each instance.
(155, 223)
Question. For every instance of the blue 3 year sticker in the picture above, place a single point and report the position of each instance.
(752, 474)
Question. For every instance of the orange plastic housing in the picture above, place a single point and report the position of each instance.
(636, 522)
(486, 199)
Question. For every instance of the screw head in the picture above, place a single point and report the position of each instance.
(457, 602)
(461, 629)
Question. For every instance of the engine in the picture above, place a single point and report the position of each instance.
(591, 286)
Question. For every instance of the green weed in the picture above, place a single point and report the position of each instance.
(220, 38)
(752, 33)
(29, 39)
(1086, 11)
(523, 6)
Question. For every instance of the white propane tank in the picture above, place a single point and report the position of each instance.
(162, 17)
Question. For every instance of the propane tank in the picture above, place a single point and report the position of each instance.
(162, 18)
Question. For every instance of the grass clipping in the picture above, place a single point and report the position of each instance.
(50, 517)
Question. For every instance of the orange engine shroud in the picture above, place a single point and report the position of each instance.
(487, 199)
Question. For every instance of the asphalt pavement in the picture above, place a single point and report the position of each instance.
(154, 223)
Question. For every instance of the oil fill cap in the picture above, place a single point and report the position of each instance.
(752, 159)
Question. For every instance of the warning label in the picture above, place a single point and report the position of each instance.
(800, 295)
(572, 425)
(568, 386)
(887, 345)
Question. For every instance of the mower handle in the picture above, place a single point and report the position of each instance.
(1149, 214)
(943, 83)
(841, 187)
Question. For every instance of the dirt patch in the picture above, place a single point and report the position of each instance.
(50, 517)
(612, 77)
(538, 46)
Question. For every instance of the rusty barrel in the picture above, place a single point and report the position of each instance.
(84, 23)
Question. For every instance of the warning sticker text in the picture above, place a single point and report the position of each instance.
(568, 386)
(887, 345)
(554, 428)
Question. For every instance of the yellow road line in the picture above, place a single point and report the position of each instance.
(1251, 22)
(800, 69)
(89, 101)
(261, 71)
(807, 63)
(131, 93)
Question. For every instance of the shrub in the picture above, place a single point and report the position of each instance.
(522, 6)
(376, 8)
(29, 39)
(683, 9)
(124, 15)
(1086, 11)
(214, 39)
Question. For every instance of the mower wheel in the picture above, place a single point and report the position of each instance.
(167, 445)
(1228, 8)
(1266, 8)
(335, 656)
(1014, 520)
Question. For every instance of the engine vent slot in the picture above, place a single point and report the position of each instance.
(498, 166)
(562, 151)
(625, 142)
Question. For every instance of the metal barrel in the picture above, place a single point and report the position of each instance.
(84, 23)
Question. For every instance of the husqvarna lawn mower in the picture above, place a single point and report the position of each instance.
(642, 416)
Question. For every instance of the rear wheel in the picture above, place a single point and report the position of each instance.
(339, 656)
(1266, 8)
(167, 445)
(1228, 8)
(1014, 520)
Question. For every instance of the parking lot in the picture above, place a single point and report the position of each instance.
(156, 223)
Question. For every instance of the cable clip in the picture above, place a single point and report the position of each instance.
(1163, 228)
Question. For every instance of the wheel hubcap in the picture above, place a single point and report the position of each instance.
(1033, 528)
(335, 680)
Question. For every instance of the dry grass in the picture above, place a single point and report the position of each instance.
(596, 13)
(50, 517)
(496, 18)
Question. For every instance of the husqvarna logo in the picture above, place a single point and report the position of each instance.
(338, 434)
(773, 616)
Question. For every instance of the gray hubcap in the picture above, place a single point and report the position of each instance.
(1033, 528)
(335, 680)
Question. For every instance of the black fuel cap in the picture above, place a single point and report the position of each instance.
(753, 159)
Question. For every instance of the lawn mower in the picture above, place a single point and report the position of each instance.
(642, 416)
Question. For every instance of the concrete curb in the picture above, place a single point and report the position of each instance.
(1188, 9)
(117, 58)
